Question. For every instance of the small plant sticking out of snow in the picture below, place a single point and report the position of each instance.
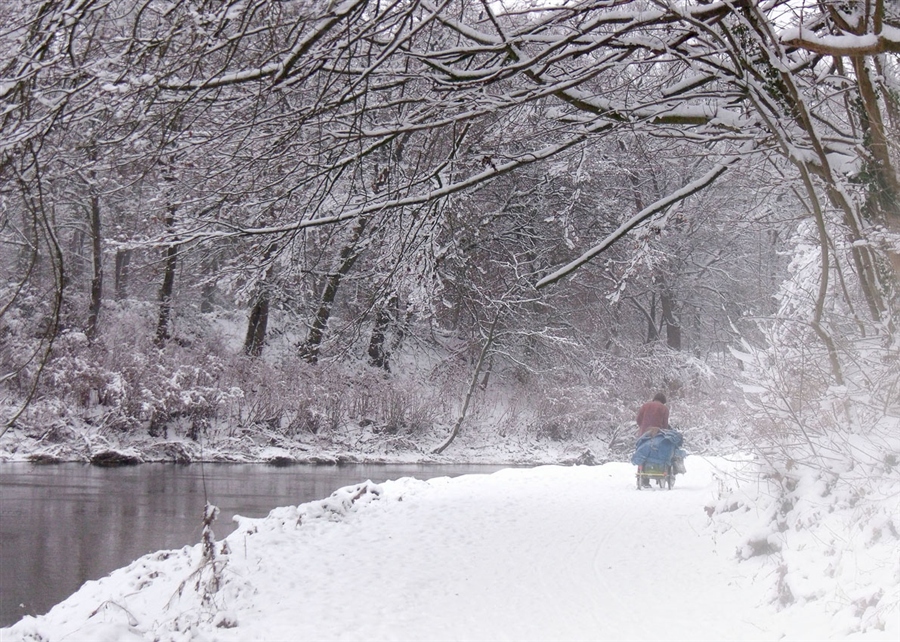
(207, 576)
(108, 604)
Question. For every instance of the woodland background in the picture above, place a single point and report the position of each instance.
(287, 228)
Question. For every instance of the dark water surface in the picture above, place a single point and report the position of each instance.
(64, 524)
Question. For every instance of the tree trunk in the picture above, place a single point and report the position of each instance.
(884, 193)
(886, 187)
(34, 367)
(168, 285)
(652, 328)
(259, 313)
(256, 326)
(77, 263)
(123, 260)
(673, 325)
(379, 355)
(309, 350)
(207, 296)
(208, 293)
(487, 374)
(97, 269)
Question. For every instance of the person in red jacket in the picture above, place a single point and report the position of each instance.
(653, 416)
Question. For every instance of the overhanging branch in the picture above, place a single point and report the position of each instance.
(640, 217)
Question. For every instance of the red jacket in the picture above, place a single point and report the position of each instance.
(652, 414)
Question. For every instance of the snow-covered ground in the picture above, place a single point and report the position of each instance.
(548, 553)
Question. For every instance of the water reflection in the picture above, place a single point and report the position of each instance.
(61, 525)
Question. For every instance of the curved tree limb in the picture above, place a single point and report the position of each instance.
(645, 214)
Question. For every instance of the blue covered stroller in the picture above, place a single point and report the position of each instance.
(660, 458)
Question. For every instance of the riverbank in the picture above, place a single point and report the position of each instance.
(68, 523)
(351, 446)
(479, 442)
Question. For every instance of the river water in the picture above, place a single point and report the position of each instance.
(64, 524)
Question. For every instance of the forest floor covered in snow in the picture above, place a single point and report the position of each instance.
(546, 553)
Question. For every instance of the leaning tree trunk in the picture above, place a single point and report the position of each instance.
(309, 350)
(885, 188)
(488, 343)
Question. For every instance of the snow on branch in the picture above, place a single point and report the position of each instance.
(417, 199)
(675, 113)
(637, 219)
(279, 70)
(845, 44)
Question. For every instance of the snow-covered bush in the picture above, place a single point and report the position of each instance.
(123, 384)
(820, 379)
(572, 412)
(822, 393)
(822, 535)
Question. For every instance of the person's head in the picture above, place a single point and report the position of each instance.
(660, 397)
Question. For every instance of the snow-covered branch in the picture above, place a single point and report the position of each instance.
(645, 214)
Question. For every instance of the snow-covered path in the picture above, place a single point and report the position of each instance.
(522, 554)
(516, 556)
(551, 553)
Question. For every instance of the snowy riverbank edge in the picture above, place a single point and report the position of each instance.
(361, 447)
(553, 552)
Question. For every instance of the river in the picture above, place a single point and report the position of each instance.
(64, 524)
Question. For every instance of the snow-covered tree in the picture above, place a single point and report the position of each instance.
(280, 151)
